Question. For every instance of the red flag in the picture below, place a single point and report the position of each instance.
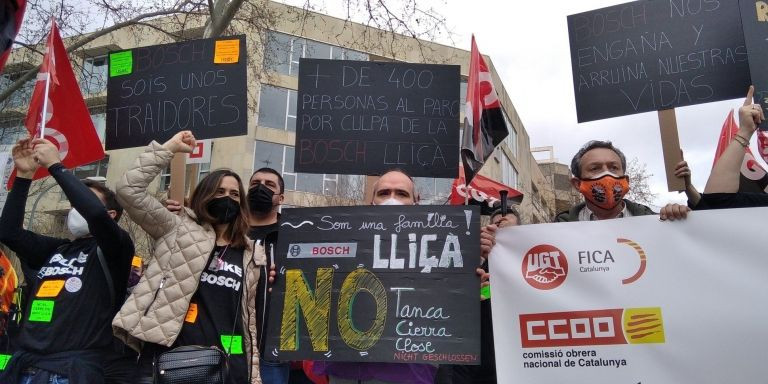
(11, 16)
(481, 191)
(484, 124)
(753, 176)
(68, 124)
(762, 144)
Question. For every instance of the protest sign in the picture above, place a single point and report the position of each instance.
(632, 300)
(198, 85)
(652, 55)
(362, 117)
(376, 284)
(754, 16)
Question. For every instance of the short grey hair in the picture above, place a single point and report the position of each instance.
(592, 144)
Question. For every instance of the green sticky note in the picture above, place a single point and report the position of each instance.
(4, 361)
(42, 311)
(485, 292)
(120, 63)
(233, 344)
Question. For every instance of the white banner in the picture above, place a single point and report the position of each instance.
(633, 300)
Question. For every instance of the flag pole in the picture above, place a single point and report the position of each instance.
(45, 103)
(47, 83)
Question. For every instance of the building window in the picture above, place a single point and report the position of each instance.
(433, 190)
(95, 169)
(512, 137)
(463, 95)
(21, 96)
(202, 171)
(165, 179)
(508, 172)
(277, 108)
(100, 123)
(284, 51)
(280, 158)
(94, 79)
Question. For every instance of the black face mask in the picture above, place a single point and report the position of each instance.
(260, 199)
(224, 209)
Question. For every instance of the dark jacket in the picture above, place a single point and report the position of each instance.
(266, 236)
(573, 214)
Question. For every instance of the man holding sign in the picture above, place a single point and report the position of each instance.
(66, 328)
(393, 188)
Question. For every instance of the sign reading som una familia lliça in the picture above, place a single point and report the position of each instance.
(373, 284)
(361, 117)
(650, 55)
(198, 85)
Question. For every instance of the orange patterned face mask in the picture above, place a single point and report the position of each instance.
(606, 190)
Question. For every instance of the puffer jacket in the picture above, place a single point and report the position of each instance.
(155, 310)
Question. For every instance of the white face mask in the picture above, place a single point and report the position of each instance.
(605, 173)
(391, 201)
(76, 224)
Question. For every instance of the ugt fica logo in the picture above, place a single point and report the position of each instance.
(545, 267)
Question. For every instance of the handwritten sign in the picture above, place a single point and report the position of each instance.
(360, 117)
(174, 87)
(373, 284)
(651, 55)
(754, 16)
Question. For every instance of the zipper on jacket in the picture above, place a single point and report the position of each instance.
(162, 283)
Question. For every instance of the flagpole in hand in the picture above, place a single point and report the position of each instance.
(44, 117)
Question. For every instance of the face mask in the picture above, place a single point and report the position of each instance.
(224, 209)
(391, 201)
(76, 224)
(606, 190)
(260, 199)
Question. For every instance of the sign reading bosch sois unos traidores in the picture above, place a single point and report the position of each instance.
(156, 91)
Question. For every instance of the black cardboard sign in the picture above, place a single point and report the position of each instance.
(361, 117)
(651, 55)
(754, 16)
(154, 92)
(377, 284)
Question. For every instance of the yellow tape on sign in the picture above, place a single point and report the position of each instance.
(50, 288)
(226, 52)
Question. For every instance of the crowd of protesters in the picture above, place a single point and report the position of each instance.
(79, 327)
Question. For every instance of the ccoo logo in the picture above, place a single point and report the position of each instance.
(545, 267)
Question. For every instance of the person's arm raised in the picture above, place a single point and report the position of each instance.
(726, 173)
(131, 189)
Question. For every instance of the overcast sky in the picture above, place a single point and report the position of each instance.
(528, 43)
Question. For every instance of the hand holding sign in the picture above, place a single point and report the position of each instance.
(182, 142)
(750, 115)
(46, 153)
(23, 159)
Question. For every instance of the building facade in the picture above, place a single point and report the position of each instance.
(563, 195)
(273, 56)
